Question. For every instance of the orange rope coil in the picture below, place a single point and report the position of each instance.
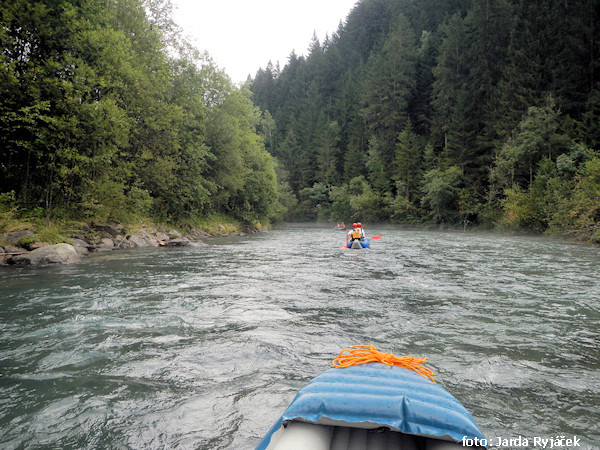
(361, 354)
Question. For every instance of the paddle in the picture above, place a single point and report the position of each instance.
(375, 237)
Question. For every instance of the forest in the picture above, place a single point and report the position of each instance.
(107, 112)
(444, 113)
(438, 113)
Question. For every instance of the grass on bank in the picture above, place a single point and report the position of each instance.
(57, 230)
(52, 232)
(220, 225)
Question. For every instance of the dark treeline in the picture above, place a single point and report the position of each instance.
(445, 112)
(107, 113)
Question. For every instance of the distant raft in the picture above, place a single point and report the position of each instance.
(372, 406)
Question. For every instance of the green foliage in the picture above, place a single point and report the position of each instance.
(578, 212)
(532, 209)
(243, 171)
(8, 212)
(213, 223)
(402, 210)
(520, 209)
(106, 112)
(445, 112)
(389, 82)
(314, 202)
(53, 233)
(407, 163)
(537, 137)
(367, 204)
(456, 113)
(377, 167)
(108, 198)
(441, 194)
(340, 207)
(7, 202)
(286, 201)
(327, 152)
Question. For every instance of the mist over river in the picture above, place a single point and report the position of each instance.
(204, 348)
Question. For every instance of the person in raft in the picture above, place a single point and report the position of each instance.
(362, 232)
(355, 233)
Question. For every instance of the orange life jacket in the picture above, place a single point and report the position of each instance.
(356, 234)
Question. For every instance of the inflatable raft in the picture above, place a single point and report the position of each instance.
(356, 243)
(373, 406)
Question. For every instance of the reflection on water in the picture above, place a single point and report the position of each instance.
(205, 347)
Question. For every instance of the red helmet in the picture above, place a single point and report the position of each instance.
(359, 225)
(354, 225)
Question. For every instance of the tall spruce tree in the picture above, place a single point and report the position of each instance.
(389, 86)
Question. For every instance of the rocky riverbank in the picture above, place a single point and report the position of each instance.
(23, 248)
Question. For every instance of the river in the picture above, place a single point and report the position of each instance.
(203, 348)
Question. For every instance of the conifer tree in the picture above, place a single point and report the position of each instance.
(407, 163)
(389, 85)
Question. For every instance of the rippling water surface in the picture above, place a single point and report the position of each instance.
(203, 348)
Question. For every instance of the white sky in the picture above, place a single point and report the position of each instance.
(243, 35)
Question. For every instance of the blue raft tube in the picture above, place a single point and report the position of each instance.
(364, 243)
(388, 403)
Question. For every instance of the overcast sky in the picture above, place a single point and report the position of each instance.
(243, 35)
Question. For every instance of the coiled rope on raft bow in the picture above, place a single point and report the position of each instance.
(361, 354)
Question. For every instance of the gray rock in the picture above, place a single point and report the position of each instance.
(105, 235)
(103, 245)
(76, 242)
(162, 236)
(177, 243)
(106, 243)
(118, 240)
(196, 235)
(183, 242)
(142, 239)
(36, 245)
(197, 244)
(173, 234)
(111, 228)
(14, 237)
(126, 245)
(9, 248)
(51, 254)
(81, 251)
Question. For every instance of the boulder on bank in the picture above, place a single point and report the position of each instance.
(196, 235)
(105, 245)
(9, 248)
(50, 254)
(35, 245)
(81, 247)
(183, 242)
(102, 238)
(14, 237)
(111, 228)
(140, 240)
